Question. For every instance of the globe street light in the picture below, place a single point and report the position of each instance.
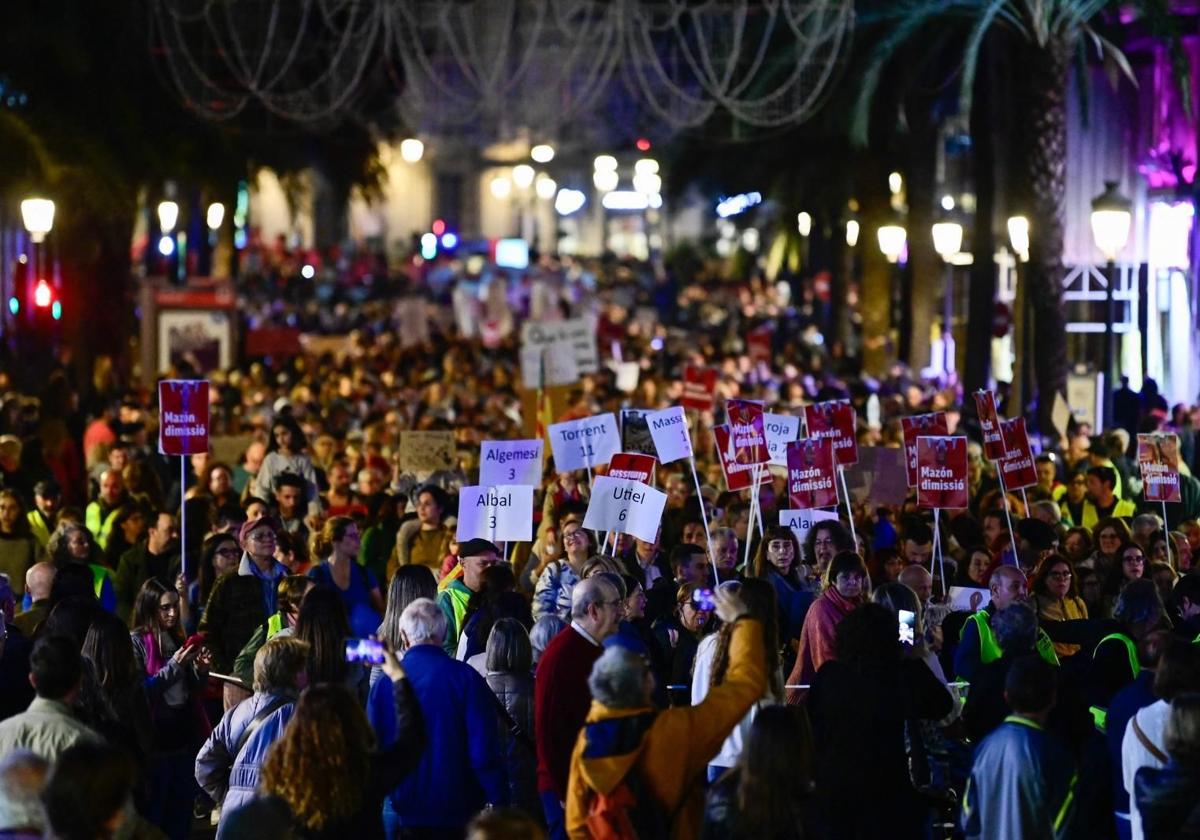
(1018, 236)
(522, 175)
(412, 150)
(542, 153)
(804, 223)
(852, 230)
(168, 216)
(215, 215)
(1112, 215)
(38, 216)
(891, 241)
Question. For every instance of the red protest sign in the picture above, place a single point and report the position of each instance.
(749, 435)
(182, 416)
(1017, 467)
(989, 424)
(914, 427)
(632, 465)
(699, 386)
(835, 420)
(1158, 457)
(810, 474)
(738, 476)
(758, 345)
(942, 472)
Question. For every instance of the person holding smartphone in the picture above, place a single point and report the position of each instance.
(678, 635)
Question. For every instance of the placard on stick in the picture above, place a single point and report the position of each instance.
(583, 444)
(182, 416)
(1017, 466)
(633, 466)
(836, 421)
(738, 476)
(699, 388)
(510, 462)
(626, 506)
(426, 451)
(669, 430)
(503, 513)
(914, 427)
(989, 425)
(942, 472)
(781, 429)
(811, 474)
(1158, 458)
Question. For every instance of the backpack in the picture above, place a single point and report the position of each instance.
(628, 812)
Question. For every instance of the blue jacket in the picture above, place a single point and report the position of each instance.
(232, 780)
(463, 769)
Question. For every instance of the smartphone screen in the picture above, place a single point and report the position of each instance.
(908, 623)
(702, 599)
(364, 650)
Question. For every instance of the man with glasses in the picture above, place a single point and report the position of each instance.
(242, 601)
(562, 698)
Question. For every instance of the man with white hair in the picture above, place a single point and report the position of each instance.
(561, 696)
(461, 770)
(22, 774)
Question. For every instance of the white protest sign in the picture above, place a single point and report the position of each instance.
(500, 514)
(781, 429)
(627, 374)
(670, 432)
(543, 367)
(801, 521)
(969, 598)
(510, 462)
(630, 507)
(586, 443)
(574, 336)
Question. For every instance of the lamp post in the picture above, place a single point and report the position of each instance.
(947, 241)
(1018, 239)
(37, 214)
(1112, 215)
(892, 239)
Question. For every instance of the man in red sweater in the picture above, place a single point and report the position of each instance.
(561, 695)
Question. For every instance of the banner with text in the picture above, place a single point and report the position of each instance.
(503, 513)
(781, 429)
(802, 521)
(510, 462)
(989, 425)
(1017, 465)
(629, 507)
(581, 444)
(575, 337)
(942, 472)
(1158, 458)
(914, 427)
(669, 430)
(737, 476)
(811, 474)
(422, 451)
(835, 420)
(748, 439)
(633, 466)
(182, 416)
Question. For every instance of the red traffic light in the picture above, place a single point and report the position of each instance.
(43, 295)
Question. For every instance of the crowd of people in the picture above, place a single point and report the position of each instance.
(1027, 667)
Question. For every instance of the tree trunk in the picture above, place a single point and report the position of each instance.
(927, 271)
(878, 347)
(1042, 150)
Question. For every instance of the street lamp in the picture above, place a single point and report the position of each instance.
(1112, 215)
(1018, 236)
(522, 175)
(168, 216)
(852, 231)
(947, 241)
(412, 150)
(545, 187)
(804, 223)
(542, 153)
(891, 241)
(215, 215)
(38, 216)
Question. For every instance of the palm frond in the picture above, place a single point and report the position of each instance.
(971, 54)
(1164, 26)
(1114, 58)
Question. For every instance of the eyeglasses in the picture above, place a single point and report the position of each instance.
(572, 535)
(265, 536)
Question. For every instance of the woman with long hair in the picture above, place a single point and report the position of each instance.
(72, 543)
(509, 674)
(750, 801)
(112, 699)
(678, 634)
(778, 562)
(326, 769)
(129, 527)
(407, 585)
(712, 665)
(1056, 593)
(1111, 534)
(976, 569)
(1130, 565)
(322, 623)
(174, 674)
(845, 591)
(286, 454)
(336, 547)
(18, 547)
(219, 555)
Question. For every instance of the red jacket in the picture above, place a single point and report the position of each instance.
(561, 702)
(816, 639)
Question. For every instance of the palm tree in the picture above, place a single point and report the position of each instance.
(1046, 36)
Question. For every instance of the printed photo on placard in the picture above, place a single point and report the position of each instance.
(811, 474)
(989, 426)
(835, 420)
(1158, 458)
(748, 438)
(914, 427)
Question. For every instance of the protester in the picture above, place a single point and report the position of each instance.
(778, 561)
(560, 698)
(22, 776)
(424, 541)
(1022, 781)
(552, 595)
(475, 557)
(286, 455)
(175, 671)
(87, 793)
(72, 544)
(39, 580)
(288, 597)
(748, 801)
(626, 743)
(336, 548)
(464, 769)
(845, 582)
(18, 548)
(509, 673)
(154, 557)
(677, 636)
(229, 765)
(1057, 597)
(49, 726)
(1167, 798)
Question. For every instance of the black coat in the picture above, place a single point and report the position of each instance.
(1169, 801)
